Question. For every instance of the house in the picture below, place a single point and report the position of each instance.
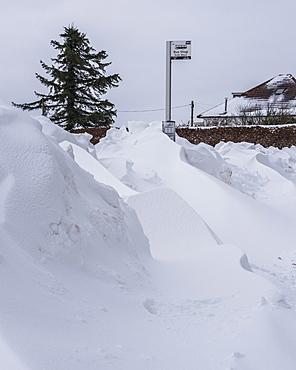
(272, 102)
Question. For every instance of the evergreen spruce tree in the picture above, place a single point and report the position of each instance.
(78, 80)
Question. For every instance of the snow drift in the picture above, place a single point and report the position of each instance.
(142, 253)
(52, 208)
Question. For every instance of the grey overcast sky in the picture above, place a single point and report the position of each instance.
(236, 44)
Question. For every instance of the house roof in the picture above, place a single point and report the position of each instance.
(278, 91)
(285, 82)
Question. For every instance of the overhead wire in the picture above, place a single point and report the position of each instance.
(161, 109)
(150, 110)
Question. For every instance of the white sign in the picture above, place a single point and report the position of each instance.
(180, 50)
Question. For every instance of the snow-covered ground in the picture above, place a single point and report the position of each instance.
(143, 253)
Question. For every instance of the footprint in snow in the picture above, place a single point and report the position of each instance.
(150, 306)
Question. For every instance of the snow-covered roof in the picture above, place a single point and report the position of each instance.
(279, 91)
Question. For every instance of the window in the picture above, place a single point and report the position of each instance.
(280, 90)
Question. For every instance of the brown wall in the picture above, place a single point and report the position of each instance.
(276, 136)
(267, 136)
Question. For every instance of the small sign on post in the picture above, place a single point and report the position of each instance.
(168, 128)
(175, 50)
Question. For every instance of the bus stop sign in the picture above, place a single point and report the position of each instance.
(180, 50)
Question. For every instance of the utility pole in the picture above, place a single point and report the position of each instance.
(192, 113)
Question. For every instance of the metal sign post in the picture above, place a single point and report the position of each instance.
(175, 50)
(168, 94)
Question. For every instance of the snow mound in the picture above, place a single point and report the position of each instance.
(220, 200)
(52, 208)
(79, 287)
(273, 171)
(137, 177)
(90, 164)
(208, 159)
(173, 228)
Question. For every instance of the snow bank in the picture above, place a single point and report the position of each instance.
(227, 211)
(79, 220)
(275, 167)
(66, 239)
(79, 287)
